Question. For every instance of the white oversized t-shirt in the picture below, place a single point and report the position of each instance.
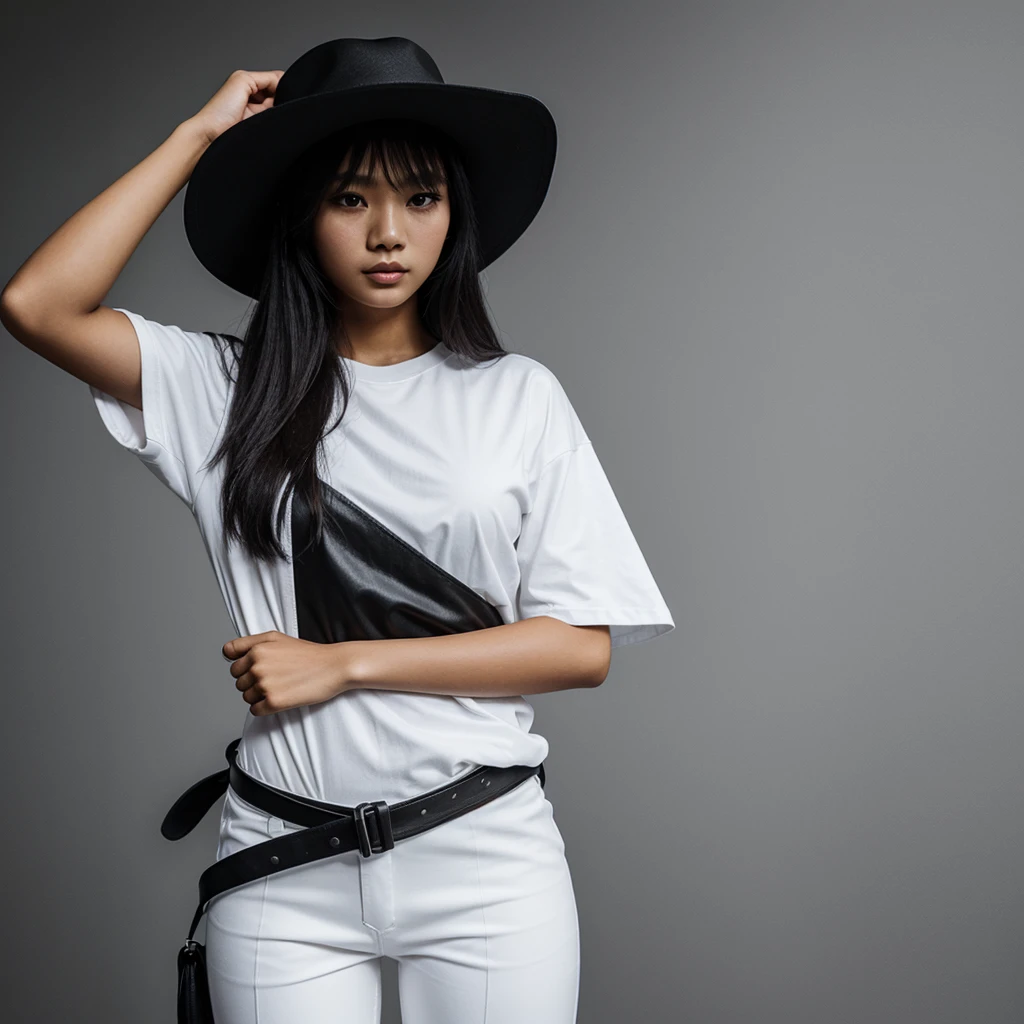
(483, 468)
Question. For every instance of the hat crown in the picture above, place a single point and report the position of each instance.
(340, 64)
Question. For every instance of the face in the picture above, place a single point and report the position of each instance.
(368, 223)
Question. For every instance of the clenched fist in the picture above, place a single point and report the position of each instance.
(276, 672)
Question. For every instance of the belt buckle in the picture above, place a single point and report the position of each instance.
(383, 821)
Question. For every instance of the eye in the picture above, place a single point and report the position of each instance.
(339, 200)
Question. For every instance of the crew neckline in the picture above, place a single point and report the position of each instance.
(398, 371)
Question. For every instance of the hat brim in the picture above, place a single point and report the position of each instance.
(507, 141)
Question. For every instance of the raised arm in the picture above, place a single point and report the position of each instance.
(52, 304)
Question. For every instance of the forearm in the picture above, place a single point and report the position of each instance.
(72, 271)
(535, 655)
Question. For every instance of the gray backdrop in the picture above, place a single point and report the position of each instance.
(779, 273)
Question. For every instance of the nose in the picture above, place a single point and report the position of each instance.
(387, 227)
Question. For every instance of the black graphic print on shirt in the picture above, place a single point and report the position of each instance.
(364, 582)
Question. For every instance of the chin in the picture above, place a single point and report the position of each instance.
(385, 299)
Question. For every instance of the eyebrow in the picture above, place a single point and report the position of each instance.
(364, 179)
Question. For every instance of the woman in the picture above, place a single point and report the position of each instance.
(409, 525)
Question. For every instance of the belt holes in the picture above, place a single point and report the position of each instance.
(335, 841)
(275, 859)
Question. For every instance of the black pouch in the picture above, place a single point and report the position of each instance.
(193, 985)
(358, 581)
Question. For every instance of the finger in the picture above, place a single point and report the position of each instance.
(237, 647)
(253, 697)
(259, 703)
(252, 108)
(265, 81)
(243, 665)
(245, 681)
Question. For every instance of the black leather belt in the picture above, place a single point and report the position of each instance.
(370, 827)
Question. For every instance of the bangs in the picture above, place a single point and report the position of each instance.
(403, 152)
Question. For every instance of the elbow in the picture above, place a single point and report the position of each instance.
(9, 317)
(20, 312)
(601, 672)
(16, 299)
(584, 653)
(600, 659)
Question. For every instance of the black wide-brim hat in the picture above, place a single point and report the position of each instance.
(506, 140)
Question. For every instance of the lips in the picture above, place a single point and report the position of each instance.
(385, 276)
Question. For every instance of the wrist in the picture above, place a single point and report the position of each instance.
(194, 131)
(354, 670)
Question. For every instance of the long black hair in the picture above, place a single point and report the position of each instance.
(288, 370)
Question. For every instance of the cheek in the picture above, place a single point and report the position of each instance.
(430, 234)
(339, 250)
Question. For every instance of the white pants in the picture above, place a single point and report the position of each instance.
(479, 912)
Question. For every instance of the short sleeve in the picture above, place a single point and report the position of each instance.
(184, 397)
(578, 558)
